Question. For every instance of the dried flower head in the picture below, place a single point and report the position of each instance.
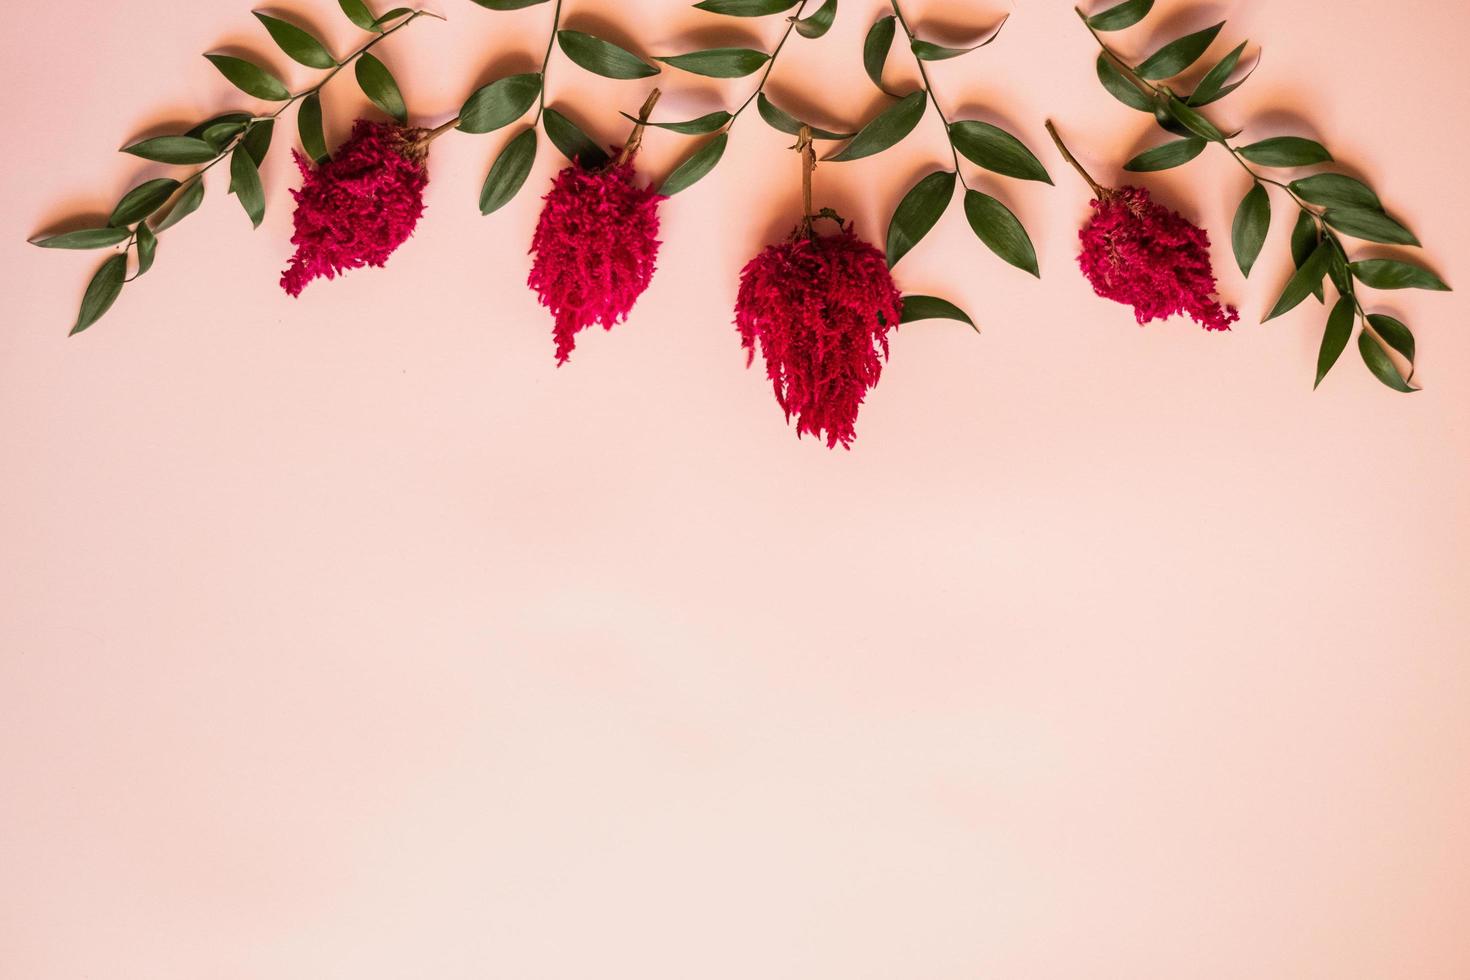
(820, 309)
(360, 205)
(1138, 252)
(596, 248)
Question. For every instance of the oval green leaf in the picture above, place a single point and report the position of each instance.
(918, 307)
(84, 238)
(875, 48)
(500, 103)
(925, 51)
(719, 62)
(701, 126)
(1396, 335)
(1393, 274)
(1178, 54)
(309, 128)
(1248, 231)
(785, 122)
(101, 292)
(142, 201)
(1120, 87)
(1371, 226)
(509, 171)
(245, 181)
(1382, 366)
(147, 249)
(997, 150)
(1193, 121)
(1122, 15)
(1286, 151)
(300, 46)
(603, 57)
(573, 143)
(699, 163)
(250, 78)
(1000, 230)
(1209, 87)
(173, 149)
(186, 205)
(1304, 239)
(509, 4)
(890, 126)
(918, 212)
(378, 84)
(818, 23)
(1336, 191)
(1167, 156)
(359, 14)
(1335, 337)
(745, 8)
(1303, 282)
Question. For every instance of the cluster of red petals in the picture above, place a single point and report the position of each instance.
(820, 309)
(359, 206)
(1138, 252)
(595, 247)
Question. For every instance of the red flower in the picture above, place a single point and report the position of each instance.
(596, 247)
(360, 205)
(821, 309)
(1138, 252)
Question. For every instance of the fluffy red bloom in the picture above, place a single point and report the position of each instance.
(820, 309)
(595, 247)
(360, 205)
(1138, 252)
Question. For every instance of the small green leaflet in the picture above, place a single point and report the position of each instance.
(1248, 232)
(1193, 121)
(1125, 14)
(1210, 87)
(719, 62)
(186, 205)
(250, 78)
(1380, 363)
(245, 179)
(217, 131)
(1286, 151)
(995, 149)
(1371, 226)
(818, 23)
(1396, 335)
(745, 8)
(147, 248)
(377, 83)
(359, 14)
(309, 128)
(500, 103)
(300, 46)
(380, 22)
(1336, 191)
(1393, 274)
(84, 238)
(142, 201)
(699, 163)
(785, 122)
(508, 4)
(700, 126)
(1304, 239)
(1178, 54)
(509, 171)
(890, 126)
(1120, 87)
(918, 307)
(101, 292)
(173, 149)
(1335, 337)
(573, 143)
(1301, 283)
(1166, 156)
(925, 51)
(603, 57)
(1000, 230)
(918, 212)
(875, 48)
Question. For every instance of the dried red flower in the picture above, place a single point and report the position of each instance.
(820, 308)
(360, 205)
(596, 248)
(1138, 252)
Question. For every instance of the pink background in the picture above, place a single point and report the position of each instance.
(348, 637)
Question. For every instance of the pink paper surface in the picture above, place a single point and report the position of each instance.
(349, 637)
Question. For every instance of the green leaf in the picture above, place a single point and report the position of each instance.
(359, 14)
(1286, 151)
(1248, 232)
(1167, 156)
(1301, 283)
(101, 292)
(1209, 87)
(186, 205)
(785, 122)
(147, 248)
(84, 238)
(890, 126)
(500, 103)
(1122, 15)
(1336, 191)
(250, 78)
(1393, 274)
(918, 307)
(1337, 270)
(995, 149)
(1304, 239)
(1201, 101)
(918, 212)
(309, 128)
(508, 4)
(245, 179)
(216, 132)
(1178, 54)
(745, 8)
(1193, 121)
(377, 83)
(257, 139)
(700, 126)
(818, 23)
(1335, 337)
(1120, 87)
(875, 48)
(1380, 363)
(573, 143)
(383, 20)
(925, 51)
(1371, 226)
(603, 57)
(173, 149)
(719, 62)
(509, 171)
(995, 225)
(142, 201)
(1396, 334)
(699, 163)
(300, 46)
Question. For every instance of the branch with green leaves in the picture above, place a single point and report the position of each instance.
(983, 144)
(1328, 205)
(505, 100)
(243, 138)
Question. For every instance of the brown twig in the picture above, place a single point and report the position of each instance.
(635, 138)
(1056, 138)
(808, 165)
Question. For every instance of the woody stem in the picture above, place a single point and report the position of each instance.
(439, 131)
(635, 138)
(1056, 138)
(808, 165)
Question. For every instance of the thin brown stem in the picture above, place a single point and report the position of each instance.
(808, 166)
(635, 138)
(440, 130)
(1099, 190)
